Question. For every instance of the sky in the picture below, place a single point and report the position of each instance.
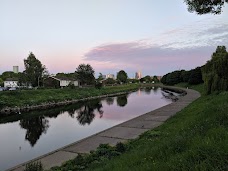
(154, 37)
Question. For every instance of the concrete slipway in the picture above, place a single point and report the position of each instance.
(120, 133)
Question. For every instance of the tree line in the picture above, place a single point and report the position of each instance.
(214, 74)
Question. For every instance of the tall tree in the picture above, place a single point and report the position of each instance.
(122, 76)
(215, 71)
(205, 6)
(85, 74)
(34, 70)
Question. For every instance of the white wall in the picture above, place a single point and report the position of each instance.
(64, 83)
(10, 83)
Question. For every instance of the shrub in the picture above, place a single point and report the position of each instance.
(35, 166)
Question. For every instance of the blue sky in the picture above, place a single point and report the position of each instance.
(155, 37)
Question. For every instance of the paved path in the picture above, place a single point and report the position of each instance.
(120, 133)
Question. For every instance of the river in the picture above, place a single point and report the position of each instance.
(43, 131)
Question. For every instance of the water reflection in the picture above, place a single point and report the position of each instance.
(86, 113)
(110, 100)
(32, 134)
(34, 128)
(121, 100)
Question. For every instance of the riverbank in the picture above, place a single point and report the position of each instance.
(15, 102)
(194, 139)
(120, 133)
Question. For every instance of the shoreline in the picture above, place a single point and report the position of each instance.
(84, 145)
(8, 111)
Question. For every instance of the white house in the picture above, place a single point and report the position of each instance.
(11, 82)
(62, 82)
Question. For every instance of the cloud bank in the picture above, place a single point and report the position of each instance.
(183, 48)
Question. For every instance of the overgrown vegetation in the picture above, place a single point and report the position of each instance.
(215, 72)
(33, 97)
(35, 166)
(191, 77)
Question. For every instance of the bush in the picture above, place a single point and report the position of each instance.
(35, 166)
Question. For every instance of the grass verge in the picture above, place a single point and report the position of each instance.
(194, 139)
(34, 97)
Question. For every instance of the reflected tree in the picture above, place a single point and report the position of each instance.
(109, 100)
(86, 113)
(34, 128)
(148, 90)
(122, 101)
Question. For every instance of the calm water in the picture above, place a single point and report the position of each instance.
(44, 131)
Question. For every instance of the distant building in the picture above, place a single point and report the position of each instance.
(110, 76)
(138, 75)
(16, 69)
(11, 82)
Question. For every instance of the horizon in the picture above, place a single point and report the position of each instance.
(153, 37)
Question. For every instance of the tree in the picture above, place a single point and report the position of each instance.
(34, 70)
(85, 74)
(205, 6)
(215, 71)
(148, 79)
(100, 77)
(8, 74)
(155, 79)
(122, 76)
(109, 81)
(195, 76)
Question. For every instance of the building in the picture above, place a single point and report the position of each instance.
(138, 75)
(57, 82)
(11, 82)
(110, 76)
(16, 69)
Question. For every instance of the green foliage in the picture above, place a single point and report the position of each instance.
(172, 78)
(205, 6)
(71, 86)
(194, 139)
(155, 79)
(191, 77)
(103, 153)
(147, 79)
(8, 74)
(34, 70)
(215, 71)
(35, 166)
(34, 97)
(195, 76)
(98, 85)
(122, 76)
(100, 77)
(1, 82)
(85, 74)
(109, 81)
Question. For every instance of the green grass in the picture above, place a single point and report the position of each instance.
(33, 97)
(194, 139)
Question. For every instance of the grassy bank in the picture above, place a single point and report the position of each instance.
(194, 139)
(34, 97)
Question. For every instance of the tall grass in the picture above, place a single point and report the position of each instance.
(33, 97)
